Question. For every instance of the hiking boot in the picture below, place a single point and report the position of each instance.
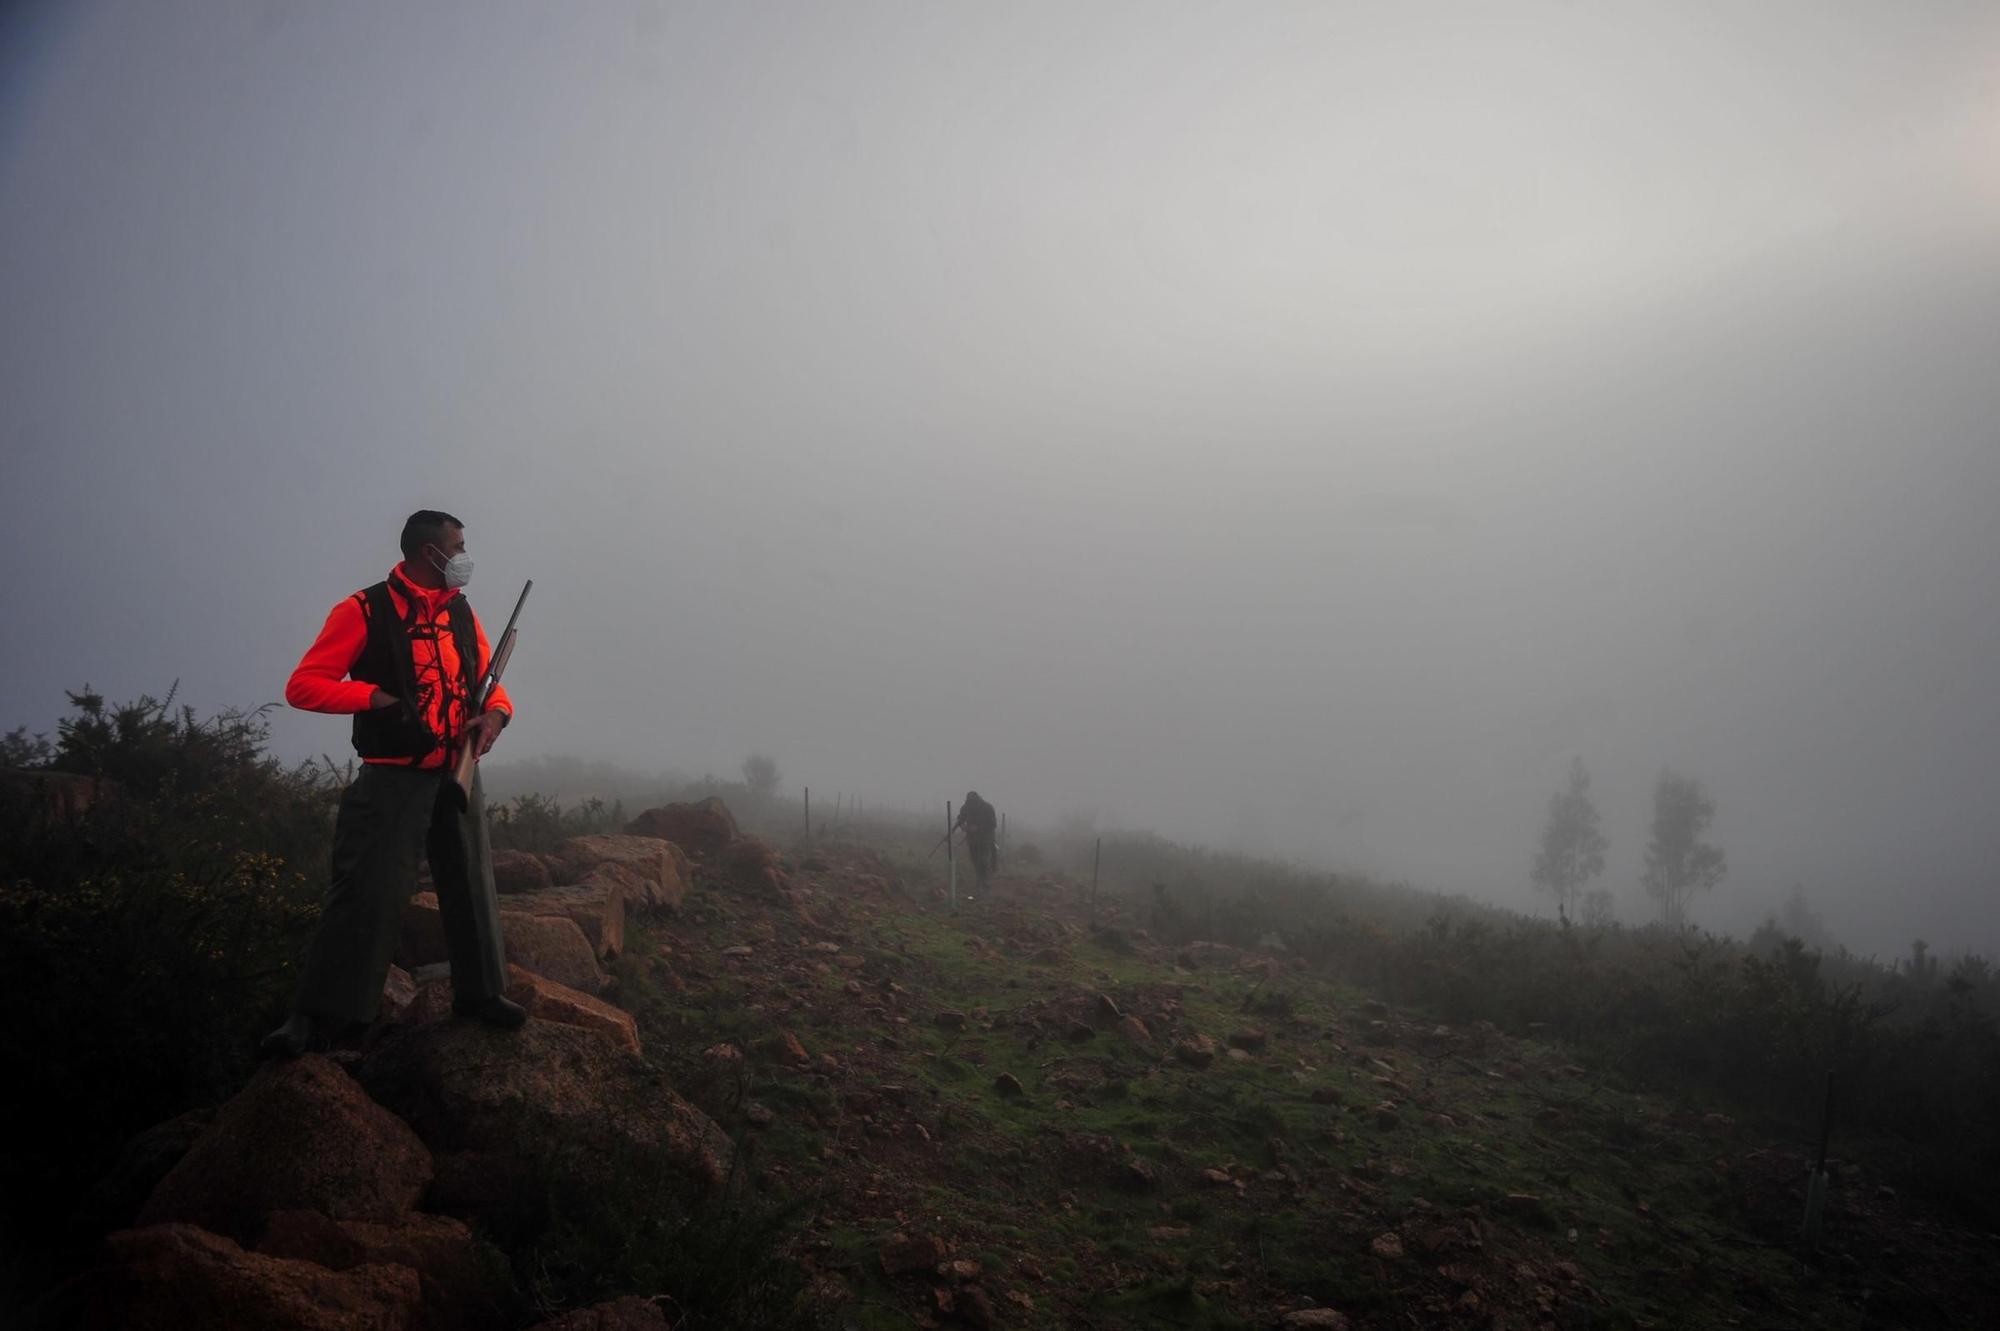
(494, 1011)
(289, 1040)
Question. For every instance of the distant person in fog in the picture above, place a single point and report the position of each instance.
(980, 825)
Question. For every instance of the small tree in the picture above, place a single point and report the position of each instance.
(760, 773)
(1801, 921)
(1678, 862)
(1572, 849)
(1598, 911)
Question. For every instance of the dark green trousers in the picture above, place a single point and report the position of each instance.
(387, 816)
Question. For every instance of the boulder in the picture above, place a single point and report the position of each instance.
(554, 947)
(114, 1201)
(432, 1001)
(598, 909)
(301, 1136)
(524, 1099)
(901, 1254)
(749, 865)
(1197, 1051)
(701, 829)
(399, 995)
(683, 868)
(548, 1001)
(631, 1313)
(459, 1288)
(172, 1277)
(1314, 1319)
(423, 933)
(653, 863)
(520, 871)
(639, 891)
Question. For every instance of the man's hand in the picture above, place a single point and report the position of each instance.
(485, 729)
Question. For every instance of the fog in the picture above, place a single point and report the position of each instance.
(1295, 428)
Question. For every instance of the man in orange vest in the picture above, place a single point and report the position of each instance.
(404, 657)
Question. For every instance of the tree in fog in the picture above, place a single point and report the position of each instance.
(1801, 921)
(1572, 849)
(1678, 862)
(760, 773)
(1598, 912)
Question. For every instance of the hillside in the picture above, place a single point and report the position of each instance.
(1001, 1114)
(813, 1090)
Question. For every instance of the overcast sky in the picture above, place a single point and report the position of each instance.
(1297, 427)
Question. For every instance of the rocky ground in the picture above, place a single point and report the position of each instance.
(817, 1076)
(1004, 1113)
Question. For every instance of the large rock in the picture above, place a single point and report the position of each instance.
(598, 910)
(638, 891)
(399, 994)
(749, 865)
(114, 1201)
(701, 829)
(433, 997)
(301, 1136)
(422, 942)
(459, 1288)
(653, 861)
(520, 871)
(630, 1313)
(549, 1001)
(554, 947)
(507, 1103)
(174, 1277)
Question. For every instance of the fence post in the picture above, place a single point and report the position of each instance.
(1096, 855)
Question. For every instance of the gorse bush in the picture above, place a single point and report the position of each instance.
(541, 824)
(149, 928)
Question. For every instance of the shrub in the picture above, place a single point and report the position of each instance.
(150, 940)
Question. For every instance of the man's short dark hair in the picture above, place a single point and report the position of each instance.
(425, 527)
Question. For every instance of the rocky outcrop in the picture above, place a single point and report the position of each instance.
(507, 1099)
(459, 1289)
(597, 909)
(548, 1001)
(554, 947)
(701, 829)
(520, 871)
(749, 865)
(422, 942)
(399, 994)
(301, 1136)
(649, 860)
(114, 1202)
(173, 1277)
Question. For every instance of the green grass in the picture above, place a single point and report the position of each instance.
(1557, 1166)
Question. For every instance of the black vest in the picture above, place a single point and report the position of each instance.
(389, 663)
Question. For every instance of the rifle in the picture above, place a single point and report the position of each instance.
(465, 763)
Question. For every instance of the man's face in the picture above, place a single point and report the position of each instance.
(452, 543)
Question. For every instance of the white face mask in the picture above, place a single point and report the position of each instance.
(457, 570)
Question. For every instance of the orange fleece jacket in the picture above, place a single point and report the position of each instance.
(320, 684)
